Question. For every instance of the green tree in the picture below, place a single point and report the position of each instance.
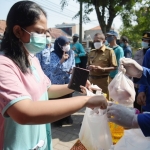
(106, 10)
(135, 24)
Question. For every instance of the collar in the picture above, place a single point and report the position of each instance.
(75, 42)
(115, 47)
(103, 48)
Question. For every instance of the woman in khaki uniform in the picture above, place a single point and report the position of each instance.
(101, 61)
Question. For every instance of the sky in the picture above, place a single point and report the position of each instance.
(56, 15)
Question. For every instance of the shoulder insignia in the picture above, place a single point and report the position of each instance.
(109, 48)
(92, 50)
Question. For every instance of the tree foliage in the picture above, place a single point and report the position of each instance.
(106, 10)
(135, 24)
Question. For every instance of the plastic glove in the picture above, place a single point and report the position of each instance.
(122, 116)
(130, 67)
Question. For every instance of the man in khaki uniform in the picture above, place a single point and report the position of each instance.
(101, 61)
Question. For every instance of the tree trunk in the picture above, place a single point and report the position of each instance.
(112, 15)
(100, 16)
(100, 19)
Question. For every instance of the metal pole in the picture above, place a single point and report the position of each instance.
(80, 28)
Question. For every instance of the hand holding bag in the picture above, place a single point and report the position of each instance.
(95, 133)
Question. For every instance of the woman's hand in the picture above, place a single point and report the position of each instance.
(88, 85)
(64, 57)
(97, 101)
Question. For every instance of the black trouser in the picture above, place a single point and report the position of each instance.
(83, 62)
(77, 64)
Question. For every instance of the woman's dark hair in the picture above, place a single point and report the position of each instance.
(59, 43)
(24, 14)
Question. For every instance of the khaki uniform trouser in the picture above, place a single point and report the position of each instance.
(102, 83)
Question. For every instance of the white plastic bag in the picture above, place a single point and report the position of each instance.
(121, 90)
(95, 133)
(133, 140)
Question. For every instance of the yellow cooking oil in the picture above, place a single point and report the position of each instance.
(105, 95)
(116, 132)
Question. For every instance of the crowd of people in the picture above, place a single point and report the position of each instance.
(34, 77)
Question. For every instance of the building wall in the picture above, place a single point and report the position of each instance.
(90, 34)
(75, 29)
(72, 26)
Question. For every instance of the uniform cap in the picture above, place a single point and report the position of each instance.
(76, 35)
(146, 36)
(111, 32)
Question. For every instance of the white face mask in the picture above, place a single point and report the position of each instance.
(97, 45)
(66, 48)
(145, 44)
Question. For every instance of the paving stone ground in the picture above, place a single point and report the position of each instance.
(65, 137)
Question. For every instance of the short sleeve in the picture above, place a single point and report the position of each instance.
(113, 61)
(12, 88)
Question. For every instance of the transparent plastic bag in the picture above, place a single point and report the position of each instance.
(133, 140)
(121, 90)
(95, 133)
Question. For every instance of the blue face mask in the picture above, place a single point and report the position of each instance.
(110, 39)
(122, 44)
(145, 45)
(106, 43)
(37, 42)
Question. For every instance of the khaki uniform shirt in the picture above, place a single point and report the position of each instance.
(103, 57)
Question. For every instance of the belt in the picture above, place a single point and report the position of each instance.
(98, 77)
